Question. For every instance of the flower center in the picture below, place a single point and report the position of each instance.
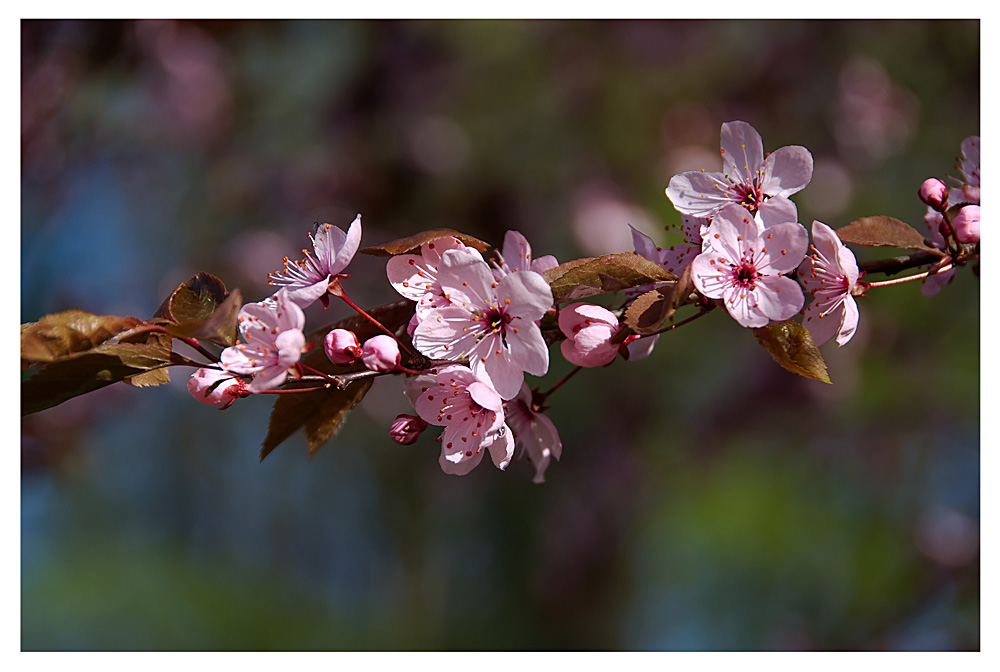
(745, 274)
(749, 196)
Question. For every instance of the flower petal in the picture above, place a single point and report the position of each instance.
(528, 294)
(778, 210)
(698, 193)
(742, 151)
(527, 346)
(787, 171)
(783, 247)
(849, 324)
(502, 449)
(777, 297)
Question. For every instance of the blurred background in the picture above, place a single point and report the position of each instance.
(706, 498)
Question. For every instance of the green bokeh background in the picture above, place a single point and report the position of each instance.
(706, 498)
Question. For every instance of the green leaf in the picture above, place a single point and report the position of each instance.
(412, 243)
(883, 231)
(791, 345)
(324, 411)
(582, 278)
(201, 308)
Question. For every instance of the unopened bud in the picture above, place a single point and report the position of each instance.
(216, 388)
(406, 429)
(967, 224)
(380, 353)
(934, 193)
(342, 347)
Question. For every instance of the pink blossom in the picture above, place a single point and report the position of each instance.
(308, 279)
(406, 429)
(415, 276)
(489, 323)
(967, 224)
(216, 388)
(534, 433)
(342, 347)
(471, 413)
(516, 256)
(272, 341)
(744, 267)
(588, 329)
(967, 189)
(938, 229)
(676, 257)
(830, 275)
(934, 193)
(380, 353)
(747, 178)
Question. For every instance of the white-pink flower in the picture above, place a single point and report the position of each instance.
(516, 256)
(747, 178)
(488, 323)
(534, 433)
(216, 388)
(307, 280)
(830, 274)
(471, 413)
(744, 267)
(272, 337)
(967, 185)
(415, 276)
(588, 329)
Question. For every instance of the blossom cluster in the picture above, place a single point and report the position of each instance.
(481, 325)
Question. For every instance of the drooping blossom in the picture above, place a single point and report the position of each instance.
(415, 276)
(937, 228)
(830, 274)
(341, 347)
(471, 413)
(967, 224)
(488, 323)
(535, 435)
(588, 329)
(216, 388)
(272, 341)
(380, 353)
(747, 178)
(967, 184)
(406, 429)
(307, 280)
(516, 256)
(744, 267)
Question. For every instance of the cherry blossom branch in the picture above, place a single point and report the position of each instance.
(909, 278)
(894, 265)
(338, 290)
(686, 320)
(539, 397)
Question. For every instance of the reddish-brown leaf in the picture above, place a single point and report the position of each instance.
(412, 243)
(882, 231)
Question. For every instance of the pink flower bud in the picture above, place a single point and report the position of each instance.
(342, 347)
(380, 353)
(216, 388)
(588, 329)
(967, 224)
(406, 428)
(934, 193)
